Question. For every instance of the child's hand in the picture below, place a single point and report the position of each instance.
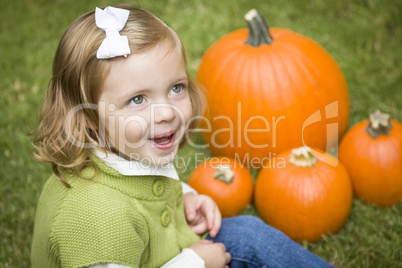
(213, 254)
(202, 214)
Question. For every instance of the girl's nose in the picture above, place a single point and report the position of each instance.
(163, 113)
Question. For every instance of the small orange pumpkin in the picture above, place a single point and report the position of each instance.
(226, 181)
(304, 197)
(372, 153)
(263, 84)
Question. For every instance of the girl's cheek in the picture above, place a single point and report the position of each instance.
(135, 132)
(188, 113)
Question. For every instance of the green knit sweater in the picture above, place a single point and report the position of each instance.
(137, 221)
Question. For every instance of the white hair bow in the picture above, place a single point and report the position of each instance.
(112, 20)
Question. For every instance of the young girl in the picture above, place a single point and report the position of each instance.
(116, 111)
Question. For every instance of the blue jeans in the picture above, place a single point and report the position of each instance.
(252, 243)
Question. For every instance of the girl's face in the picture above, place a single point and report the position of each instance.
(145, 104)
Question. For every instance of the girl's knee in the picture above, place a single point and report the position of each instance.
(244, 220)
(250, 225)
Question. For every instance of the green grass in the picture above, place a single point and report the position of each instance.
(364, 36)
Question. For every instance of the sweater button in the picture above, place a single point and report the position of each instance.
(159, 188)
(165, 219)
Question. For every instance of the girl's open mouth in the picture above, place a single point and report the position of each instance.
(164, 142)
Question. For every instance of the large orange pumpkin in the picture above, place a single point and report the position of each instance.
(304, 197)
(372, 153)
(226, 181)
(267, 90)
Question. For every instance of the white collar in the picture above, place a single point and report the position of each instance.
(136, 168)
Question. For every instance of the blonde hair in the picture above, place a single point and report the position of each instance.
(76, 80)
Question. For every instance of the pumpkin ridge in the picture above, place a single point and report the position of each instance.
(244, 96)
(236, 56)
(299, 108)
(222, 69)
(261, 85)
(302, 58)
(313, 102)
(246, 71)
(267, 88)
(325, 175)
(286, 72)
(285, 110)
(293, 79)
(272, 70)
(227, 61)
(227, 99)
(282, 97)
(311, 75)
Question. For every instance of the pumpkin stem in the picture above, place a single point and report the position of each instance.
(302, 157)
(224, 173)
(379, 124)
(258, 29)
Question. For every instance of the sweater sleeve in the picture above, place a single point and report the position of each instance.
(97, 224)
(187, 258)
(187, 188)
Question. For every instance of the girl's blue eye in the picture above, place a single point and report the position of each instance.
(177, 89)
(137, 100)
